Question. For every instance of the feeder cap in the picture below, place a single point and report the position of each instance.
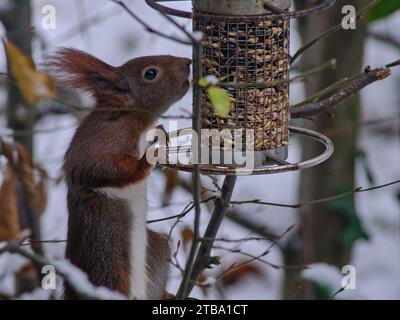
(238, 7)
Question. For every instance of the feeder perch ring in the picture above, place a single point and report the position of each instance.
(262, 169)
(155, 4)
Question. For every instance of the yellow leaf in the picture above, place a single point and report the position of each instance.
(220, 100)
(34, 85)
(203, 82)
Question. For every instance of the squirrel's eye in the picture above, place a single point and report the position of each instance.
(151, 74)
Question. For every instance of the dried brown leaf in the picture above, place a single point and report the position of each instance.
(187, 236)
(6, 150)
(172, 181)
(27, 269)
(9, 220)
(204, 288)
(235, 275)
(35, 191)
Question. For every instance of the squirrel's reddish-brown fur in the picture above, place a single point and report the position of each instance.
(104, 153)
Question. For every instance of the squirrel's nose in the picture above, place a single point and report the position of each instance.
(187, 61)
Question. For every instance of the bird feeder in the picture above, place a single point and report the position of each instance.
(245, 46)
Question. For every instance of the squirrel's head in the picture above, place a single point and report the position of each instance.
(157, 81)
(153, 82)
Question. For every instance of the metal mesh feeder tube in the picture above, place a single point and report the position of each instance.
(247, 54)
(245, 45)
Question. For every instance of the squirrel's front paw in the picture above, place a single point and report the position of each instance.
(155, 154)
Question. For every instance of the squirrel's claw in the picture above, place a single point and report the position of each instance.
(161, 127)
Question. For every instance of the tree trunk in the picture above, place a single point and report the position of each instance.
(17, 22)
(324, 226)
(16, 19)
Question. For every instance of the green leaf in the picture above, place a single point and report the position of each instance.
(353, 232)
(383, 9)
(324, 290)
(353, 229)
(363, 158)
(220, 100)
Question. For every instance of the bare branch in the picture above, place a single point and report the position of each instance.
(189, 207)
(319, 95)
(203, 259)
(330, 104)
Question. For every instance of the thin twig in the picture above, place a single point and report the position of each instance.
(175, 261)
(331, 31)
(246, 239)
(312, 202)
(89, 22)
(151, 29)
(253, 258)
(16, 241)
(249, 224)
(184, 288)
(393, 64)
(385, 38)
(41, 241)
(256, 258)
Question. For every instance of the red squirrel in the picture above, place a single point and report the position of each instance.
(105, 169)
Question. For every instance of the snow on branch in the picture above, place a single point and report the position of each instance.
(72, 275)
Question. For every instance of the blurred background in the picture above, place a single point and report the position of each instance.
(361, 229)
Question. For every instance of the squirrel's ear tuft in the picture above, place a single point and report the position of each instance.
(77, 69)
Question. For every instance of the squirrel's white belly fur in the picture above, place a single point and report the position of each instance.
(135, 196)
